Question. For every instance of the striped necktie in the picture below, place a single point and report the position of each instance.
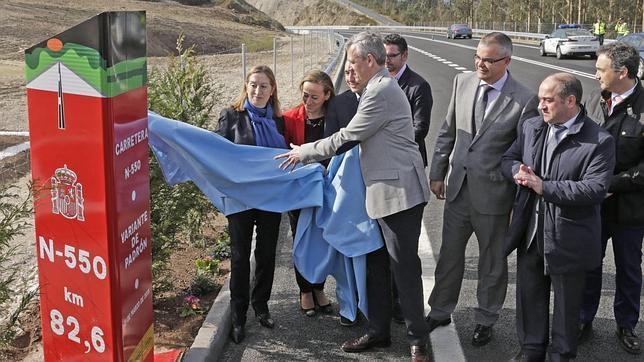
(480, 106)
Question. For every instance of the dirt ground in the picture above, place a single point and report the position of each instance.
(217, 34)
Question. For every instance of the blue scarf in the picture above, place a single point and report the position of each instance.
(266, 133)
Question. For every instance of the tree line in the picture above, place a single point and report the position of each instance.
(533, 15)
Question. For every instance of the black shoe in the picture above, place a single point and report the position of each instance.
(482, 335)
(346, 322)
(419, 354)
(396, 314)
(265, 320)
(628, 340)
(237, 333)
(434, 323)
(584, 332)
(522, 357)
(324, 309)
(364, 343)
(310, 312)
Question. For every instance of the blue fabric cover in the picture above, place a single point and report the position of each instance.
(334, 233)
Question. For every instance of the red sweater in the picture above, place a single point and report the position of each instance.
(294, 125)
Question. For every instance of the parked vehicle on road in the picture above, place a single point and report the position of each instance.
(569, 40)
(459, 31)
(636, 40)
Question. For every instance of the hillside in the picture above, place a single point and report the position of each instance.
(311, 12)
(212, 28)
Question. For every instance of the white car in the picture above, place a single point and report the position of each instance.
(569, 41)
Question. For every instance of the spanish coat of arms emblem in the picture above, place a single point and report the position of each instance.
(67, 195)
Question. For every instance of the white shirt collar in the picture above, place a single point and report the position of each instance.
(401, 71)
(625, 94)
(498, 85)
(569, 122)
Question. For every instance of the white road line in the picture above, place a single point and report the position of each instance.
(514, 57)
(444, 61)
(446, 345)
(14, 150)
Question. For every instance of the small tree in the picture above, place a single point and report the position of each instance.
(183, 92)
(15, 212)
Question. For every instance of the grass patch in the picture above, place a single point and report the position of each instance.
(257, 43)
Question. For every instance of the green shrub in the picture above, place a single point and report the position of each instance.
(207, 265)
(221, 249)
(183, 91)
(202, 284)
(15, 212)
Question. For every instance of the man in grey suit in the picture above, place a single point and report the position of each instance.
(483, 119)
(397, 192)
(563, 162)
(419, 94)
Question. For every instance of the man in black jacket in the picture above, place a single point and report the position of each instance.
(562, 162)
(416, 88)
(618, 106)
(343, 106)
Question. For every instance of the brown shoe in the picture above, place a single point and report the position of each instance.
(419, 354)
(364, 343)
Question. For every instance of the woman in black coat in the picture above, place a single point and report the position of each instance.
(254, 119)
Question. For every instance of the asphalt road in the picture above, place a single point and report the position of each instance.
(530, 68)
(297, 337)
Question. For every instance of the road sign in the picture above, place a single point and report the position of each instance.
(87, 104)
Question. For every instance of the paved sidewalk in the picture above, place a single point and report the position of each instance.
(298, 337)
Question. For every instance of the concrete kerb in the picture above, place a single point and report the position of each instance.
(213, 334)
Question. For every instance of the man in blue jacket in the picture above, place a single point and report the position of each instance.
(562, 162)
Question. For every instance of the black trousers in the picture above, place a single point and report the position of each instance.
(240, 227)
(401, 232)
(627, 247)
(533, 304)
(304, 285)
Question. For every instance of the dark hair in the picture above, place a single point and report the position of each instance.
(396, 39)
(368, 43)
(621, 55)
(500, 39)
(569, 85)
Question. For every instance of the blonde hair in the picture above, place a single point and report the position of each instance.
(319, 77)
(238, 105)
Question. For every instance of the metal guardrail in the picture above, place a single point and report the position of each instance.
(339, 55)
(429, 29)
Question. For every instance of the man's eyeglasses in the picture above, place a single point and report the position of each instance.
(392, 56)
(487, 61)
